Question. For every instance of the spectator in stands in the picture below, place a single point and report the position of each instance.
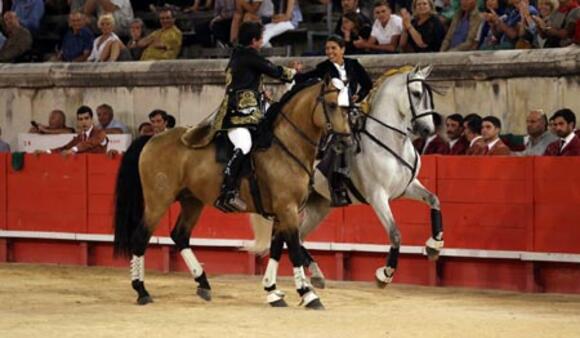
(552, 125)
(490, 129)
(89, 140)
(136, 32)
(246, 10)
(351, 27)
(108, 46)
(559, 30)
(171, 121)
(458, 144)
(434, 143)
(286, 17)
(121, 10)
(568, 143)
(472, 132)
(386, 31)
(538, 137)
(220, 25)
(512, 28)
(486, 35)
(56, 125)
(77, 43)
(158, 119)
(146, 129)
(352, 6)
(30, 12)
(164, 43)
(545, 9)
(19, 39)
(76, 5)
(423, 32)
(4, 147)
(107, 122)
(197, 5)
(462, 33)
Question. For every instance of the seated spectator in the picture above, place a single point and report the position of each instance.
(286, 17)
(146, 129)
(19, 39)
(462, 33)
(56, 125)
(89, 140)
(552, 125)
(220, 25)
(568, 143)
(170, 121)
(108, 46)
(352, 6)
(546, 9)
(386, 31)
(121, 11)
(77, 43)
(490, 129)
(4, 147)
(30, 12)
(559, 30)
(158, 119)
(351, 29)
(486, 35)
(434, 143)
(538, 137)
(458, 144)
(107, 122)
(512, 28)
(423, 32)
(164, 43)
(136, 32)
(246, 10)
(472, 132)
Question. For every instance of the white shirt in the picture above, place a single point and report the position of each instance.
(491, 144)
(427, 142)
(385, 34)
(96, 53)
(452, 142)
(341, 71)
(473, 141)
(567, 140)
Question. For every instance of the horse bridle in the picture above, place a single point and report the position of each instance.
(427, 87)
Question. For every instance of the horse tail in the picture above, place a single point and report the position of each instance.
(129, 205)
(262, 229)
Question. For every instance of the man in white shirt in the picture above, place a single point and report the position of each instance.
(386, 31)
(107, 122)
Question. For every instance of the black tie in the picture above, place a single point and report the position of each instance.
(562, 142)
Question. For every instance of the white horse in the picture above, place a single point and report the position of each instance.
(386, 168)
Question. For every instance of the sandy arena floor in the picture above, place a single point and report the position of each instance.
(51, 301)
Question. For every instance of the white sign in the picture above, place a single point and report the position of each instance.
(32, 142)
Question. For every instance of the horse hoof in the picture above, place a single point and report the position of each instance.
(432, 254)
(279, 303)
(381, 284)
(318, 282)
(144, 300)
(204, 294)
(316, 304)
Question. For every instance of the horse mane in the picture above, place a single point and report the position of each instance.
(378, 82)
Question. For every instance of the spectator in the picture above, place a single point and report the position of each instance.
(545, 8)
(512, 27)
(164, 43)
(490, 128)
(351, 30)
(196, 6)
(78, 41)
(108, 46)
(552, 125)
(121, 10)
(286, 16)
(434, 143)
(136, 32)
(4, 147)
(246, 10)
(56, 125)
(76, 5)
(386, 30)
(220, 25)
(458, 144)
(170, 121)
(146, 129)
(19, 39)
(559, 31)
(423, 32)
(486, 35)
(351, 6)
(538, 137)
(158, 119)
(30, 12)
(472, 132)
(569, 143)
(107, 122)
(89, 140)
(462, 33)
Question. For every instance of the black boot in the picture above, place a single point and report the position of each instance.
(229, 199)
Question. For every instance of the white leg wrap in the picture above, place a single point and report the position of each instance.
(309, 297)
(274, 296)
(435, 244)
(385, 274)
(138, 268)
(191, 262)
(270, 274)
(300, 278)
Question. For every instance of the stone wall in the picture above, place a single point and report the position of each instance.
(506, 84)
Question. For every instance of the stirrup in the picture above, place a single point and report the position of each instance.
(230, 202)
(339, 198)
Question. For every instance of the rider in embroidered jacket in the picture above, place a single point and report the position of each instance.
(241, 109)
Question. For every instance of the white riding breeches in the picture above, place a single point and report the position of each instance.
(272, 30)
(241, 138)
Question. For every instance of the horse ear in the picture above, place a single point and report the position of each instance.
(426, 71)
(416, 70)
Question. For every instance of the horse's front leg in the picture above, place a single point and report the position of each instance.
(275, 297)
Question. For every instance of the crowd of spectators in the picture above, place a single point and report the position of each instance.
(108, 30)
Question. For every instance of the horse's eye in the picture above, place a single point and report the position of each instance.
(332, 105)
(416, 95)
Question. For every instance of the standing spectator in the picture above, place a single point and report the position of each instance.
(487, 36)
(490, 128)
(136, 31)
(108, 46)
(78, 41)
(146, 129)
(30, 12)
(423, 32)
(462, 33)
(472, 132)
(569, 143)
(287, 16)
(107, 122)
(19, 39)
(120, 9)
(386, 30)
(559, 30)
(246, 10)
(164, 43)
(158, 119)
(4, 147)
(351, 6)
(458, 144)
(89, 140)
(434, 143)
(538, 137)
(220, 25)
(56, 125)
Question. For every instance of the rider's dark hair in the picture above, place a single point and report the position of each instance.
(336, 39)
(250, 31)
(473, 123)
(493, 120)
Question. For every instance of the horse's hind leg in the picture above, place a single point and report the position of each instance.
(418, 192)
(190, 211)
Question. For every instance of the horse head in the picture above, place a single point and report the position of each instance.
(420, 101)
(331, 111)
